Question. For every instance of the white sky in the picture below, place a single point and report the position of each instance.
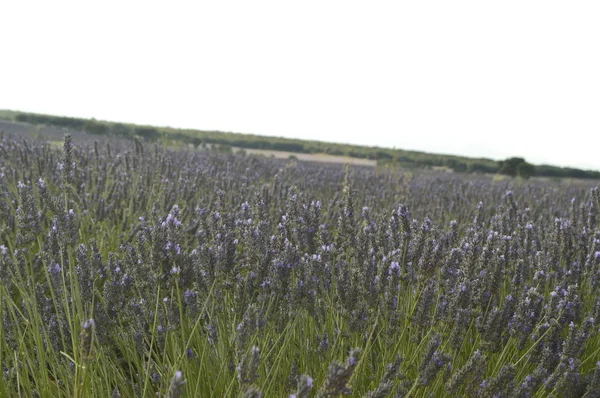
(478, 78)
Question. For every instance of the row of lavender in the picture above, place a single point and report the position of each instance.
(132, 270)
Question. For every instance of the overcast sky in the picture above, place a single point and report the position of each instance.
(477, 78)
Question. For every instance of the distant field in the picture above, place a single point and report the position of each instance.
(47, 132)
(54, 134)
(282, 147)
(313, 157)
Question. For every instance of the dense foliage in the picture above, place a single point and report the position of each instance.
(129, 270)
(407, 159)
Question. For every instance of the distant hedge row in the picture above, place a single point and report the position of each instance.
(512, 166)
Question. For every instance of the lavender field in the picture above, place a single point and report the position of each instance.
(131, 270)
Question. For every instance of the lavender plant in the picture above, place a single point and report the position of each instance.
(124, 266)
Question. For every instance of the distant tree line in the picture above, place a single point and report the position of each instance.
(511, 167)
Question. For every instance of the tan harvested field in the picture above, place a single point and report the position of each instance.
(311, 157)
